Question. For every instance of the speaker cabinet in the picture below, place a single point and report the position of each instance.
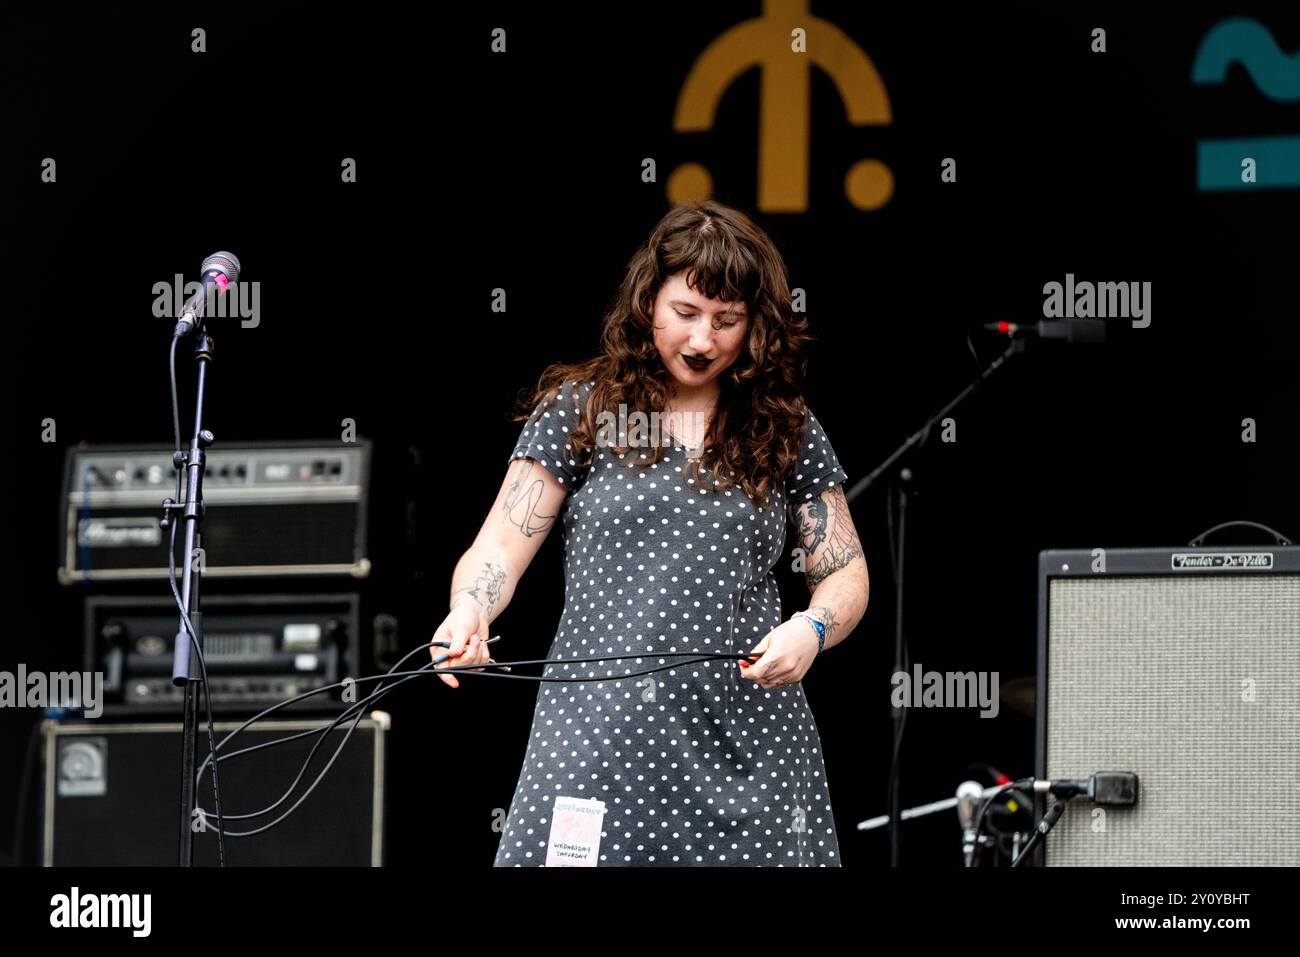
(112, 795)
(1184, 667)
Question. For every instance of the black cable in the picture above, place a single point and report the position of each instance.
(408, 675)
(979, 818)
(24, 788)
(323, 731)
(301, 772)
(176, 407)
(1002, 789)
(180, 605)
(698, 657)
(381, 691)
(895, 557)
(375, 696)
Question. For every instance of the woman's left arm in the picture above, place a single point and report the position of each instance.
(834, 566)
(836, 572)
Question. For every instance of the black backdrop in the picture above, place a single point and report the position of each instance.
(523, 171)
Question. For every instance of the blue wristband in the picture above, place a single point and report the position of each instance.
(818, 626)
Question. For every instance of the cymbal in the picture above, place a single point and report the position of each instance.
(1020, 694)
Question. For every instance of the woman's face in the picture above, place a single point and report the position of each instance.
(687, 325)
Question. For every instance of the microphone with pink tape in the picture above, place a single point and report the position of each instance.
(220, 271)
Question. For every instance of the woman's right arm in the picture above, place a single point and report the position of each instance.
(526, 507)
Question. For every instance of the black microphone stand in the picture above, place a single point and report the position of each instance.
(898, 507)
(185, 664)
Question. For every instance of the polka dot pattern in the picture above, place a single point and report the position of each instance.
(697, 766)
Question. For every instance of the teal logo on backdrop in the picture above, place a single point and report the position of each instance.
(1253, 162)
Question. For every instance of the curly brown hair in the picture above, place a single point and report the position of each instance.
(754, 437)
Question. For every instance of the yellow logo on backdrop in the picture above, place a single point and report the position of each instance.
(785, 41)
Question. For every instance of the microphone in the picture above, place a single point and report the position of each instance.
(1107, 788)
(220, 270)
(969, 794)
(1074, 331)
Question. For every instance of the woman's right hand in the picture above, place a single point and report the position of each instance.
(466, 629)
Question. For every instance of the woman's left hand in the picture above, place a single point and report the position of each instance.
(787, 653)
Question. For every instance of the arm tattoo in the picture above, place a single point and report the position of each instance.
(486, 589)
(811, 519)
(826, 616)
(521, 501)
(825, 524)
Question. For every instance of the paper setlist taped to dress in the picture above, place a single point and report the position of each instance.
(575, 832)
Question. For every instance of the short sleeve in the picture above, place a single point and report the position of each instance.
(545, 436)
(817, 468)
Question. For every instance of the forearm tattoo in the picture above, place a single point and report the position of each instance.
(827, 617)
(486, 589)
(520, 506)
(828, 529)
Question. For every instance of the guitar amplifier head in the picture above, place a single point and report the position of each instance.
(259, 649)
(271, 510)
(1184, 667)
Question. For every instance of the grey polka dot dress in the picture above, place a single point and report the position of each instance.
(696, 766)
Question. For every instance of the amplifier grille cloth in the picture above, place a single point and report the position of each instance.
(1149, 674)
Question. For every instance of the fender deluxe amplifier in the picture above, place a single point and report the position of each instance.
(1182, 665)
